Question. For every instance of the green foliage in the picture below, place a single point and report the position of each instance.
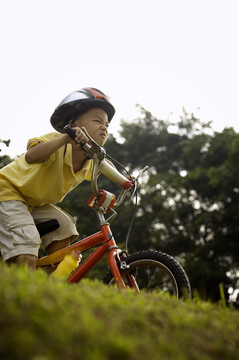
(4, 160)
(189, 206)
(42, 318)
(5, 142)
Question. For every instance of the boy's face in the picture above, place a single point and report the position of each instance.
(96, 123)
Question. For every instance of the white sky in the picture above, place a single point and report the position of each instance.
(162, 54)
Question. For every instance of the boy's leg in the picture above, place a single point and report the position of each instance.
(19, 238)
(27, 259)
(57, 245)
(61, 237)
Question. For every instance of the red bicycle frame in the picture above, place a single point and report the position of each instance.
(105, 242)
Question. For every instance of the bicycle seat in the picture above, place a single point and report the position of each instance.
(48, 226)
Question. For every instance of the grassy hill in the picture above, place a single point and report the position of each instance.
(45, 319)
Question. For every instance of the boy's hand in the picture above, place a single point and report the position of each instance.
(80, 138)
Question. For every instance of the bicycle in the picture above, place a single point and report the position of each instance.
(149, 270)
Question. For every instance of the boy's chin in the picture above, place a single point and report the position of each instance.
(98, 142)
(101, 141)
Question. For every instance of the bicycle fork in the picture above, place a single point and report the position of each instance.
(114, 260)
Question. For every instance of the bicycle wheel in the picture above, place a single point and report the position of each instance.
(154, 271)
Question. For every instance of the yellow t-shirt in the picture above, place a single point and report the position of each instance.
(43, 183)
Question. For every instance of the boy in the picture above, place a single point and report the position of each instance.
(53, 165)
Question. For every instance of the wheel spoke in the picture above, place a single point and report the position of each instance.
(152, 277)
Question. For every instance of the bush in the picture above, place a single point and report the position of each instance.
(46, 319)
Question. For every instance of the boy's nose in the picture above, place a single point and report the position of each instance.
(104, 126)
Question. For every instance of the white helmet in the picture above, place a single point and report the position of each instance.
(78, 102)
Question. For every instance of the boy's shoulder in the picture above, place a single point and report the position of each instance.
(42, 138)
(48, 136)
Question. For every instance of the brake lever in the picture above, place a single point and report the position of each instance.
(141, 172)
(135, 180)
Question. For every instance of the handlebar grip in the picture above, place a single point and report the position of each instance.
(72, 133)
(69, 131)
(110, 172)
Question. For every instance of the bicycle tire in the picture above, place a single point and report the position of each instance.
(154, 271)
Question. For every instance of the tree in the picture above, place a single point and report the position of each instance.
(4, 159)
(188, 206)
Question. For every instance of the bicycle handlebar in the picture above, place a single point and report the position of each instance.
(97, 152)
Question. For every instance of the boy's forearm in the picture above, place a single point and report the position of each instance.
(42, 151)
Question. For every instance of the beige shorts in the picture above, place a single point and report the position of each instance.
(18, 233)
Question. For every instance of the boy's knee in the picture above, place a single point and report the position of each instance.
(24, 259)
(57, 245)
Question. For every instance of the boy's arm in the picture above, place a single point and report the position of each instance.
(42, 151)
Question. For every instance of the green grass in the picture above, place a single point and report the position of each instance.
(45, 319)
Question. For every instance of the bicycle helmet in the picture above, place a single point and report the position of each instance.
(78, 102)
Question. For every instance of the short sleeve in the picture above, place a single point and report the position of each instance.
(41, 139)
(44, 138)
(32, 143)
